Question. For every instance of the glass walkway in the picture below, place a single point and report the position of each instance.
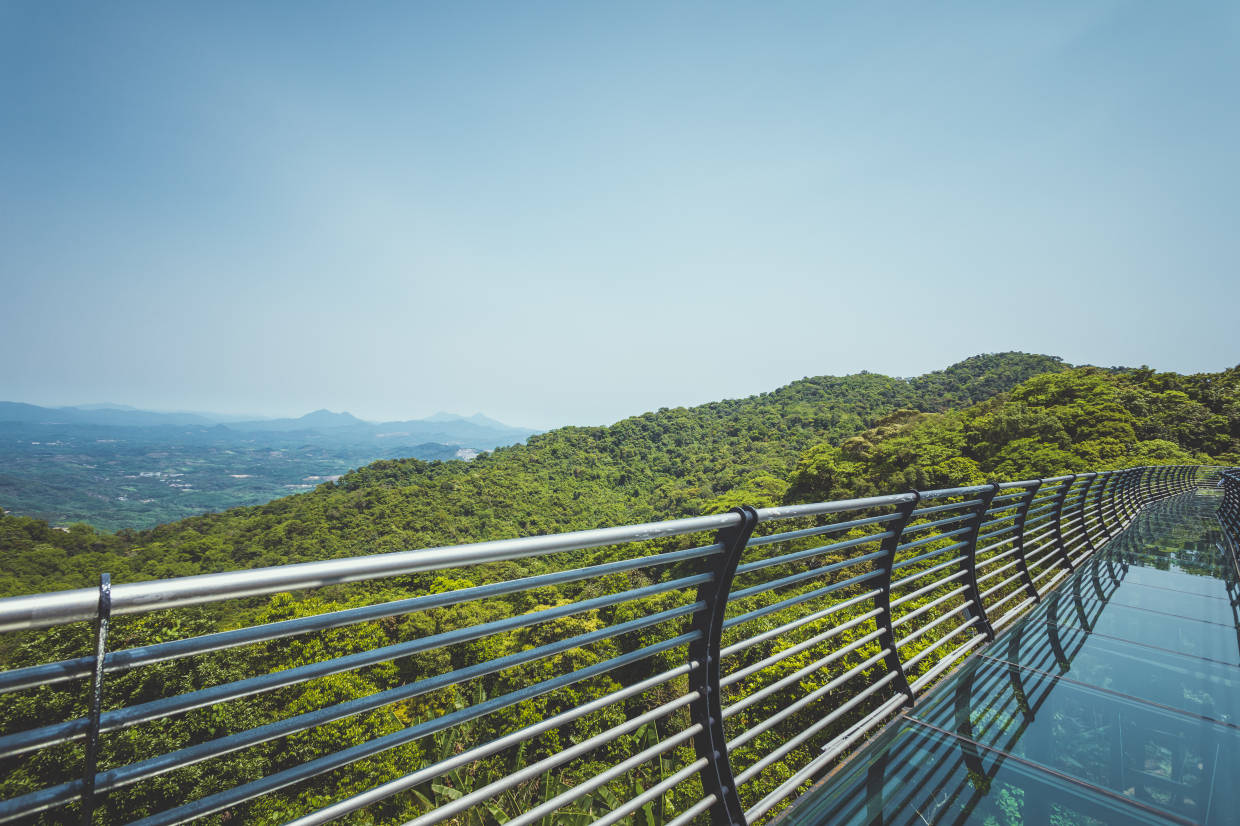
(1116, 700)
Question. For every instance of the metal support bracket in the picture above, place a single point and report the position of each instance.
(707, 710)
(973, 593)
(1025, 577)
(96, 700)
(882, 600)
(1057, 521)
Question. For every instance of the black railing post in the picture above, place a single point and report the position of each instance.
(1130, 501)
(1106, 502)
(1025, 577)
(883, 600)
(91, 764)
(1161, 484)
(973, 593)
(1057, 521)
(1084, 508)
(707, 709)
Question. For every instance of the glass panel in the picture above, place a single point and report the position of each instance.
(1158, 757)
(1176, 580)
(1177, 603)
(1115, 700)
(1200, 639)
(914, 776)
(1168, 678)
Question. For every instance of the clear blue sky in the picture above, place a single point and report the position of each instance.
(572, 212)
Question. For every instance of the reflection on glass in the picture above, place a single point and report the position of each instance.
(1115, 700)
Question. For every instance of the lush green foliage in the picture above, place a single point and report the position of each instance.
(1080, 419)
(817, 438)
(671, 463)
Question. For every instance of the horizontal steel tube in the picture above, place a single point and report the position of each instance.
(159, 652)
(784, 653)
(831, 750)
(913, 560)
(948, 507)
(998, 572)
(793, 678)
(1009, 615)
(937, 601)
(534, 770)
(748, 642)
(835, 527)
(799, 598)
(793, 579)
(939, 584)
(42, 610)
(106, 781)
(911, 578)
(652, 794)
(1010, 596)
(990, 560)
(945, 492)
(311, 719)
(371, 796)
(945, 663)
(602, 778)
(812, 729)
(155, 709)
(230, 797)
(955, 612)
(908, 546)
(690, 815)
(926, 652)
(918, 527)
(808, 553)
(819, 508)
(986, 537)
(1001, 584)
(786, 712)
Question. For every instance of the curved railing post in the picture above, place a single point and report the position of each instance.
(91, 762)
(1229, 511)
(1084, 510)
(973, 593)
(1106, 503)
(1131, 497)
(883, 600)
(1162, 483)
(707, 710)
(1057, 521)
(1025, 577)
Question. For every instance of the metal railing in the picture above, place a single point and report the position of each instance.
(1229, 511)
(723, 661)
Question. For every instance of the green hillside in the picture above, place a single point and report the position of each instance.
(670, 463)
(815, 438)
(1071, 421)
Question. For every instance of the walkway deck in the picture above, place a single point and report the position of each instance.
(1115, 701)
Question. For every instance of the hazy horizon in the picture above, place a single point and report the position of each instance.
(569, 214)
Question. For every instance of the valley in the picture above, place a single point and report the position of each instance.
(121, 469)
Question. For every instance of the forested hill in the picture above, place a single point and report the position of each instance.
(673, 462)
(1072, 421)
(814, 439)
(817, 438)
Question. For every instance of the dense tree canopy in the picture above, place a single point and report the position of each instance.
(991, 417)
(660, 465)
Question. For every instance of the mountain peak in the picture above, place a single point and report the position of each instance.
(326, 418)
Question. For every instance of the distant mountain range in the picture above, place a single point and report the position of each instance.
(477, 431)
(120, 467)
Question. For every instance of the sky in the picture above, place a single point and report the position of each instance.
(568, 213)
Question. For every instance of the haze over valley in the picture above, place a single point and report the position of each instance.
(118, 467)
